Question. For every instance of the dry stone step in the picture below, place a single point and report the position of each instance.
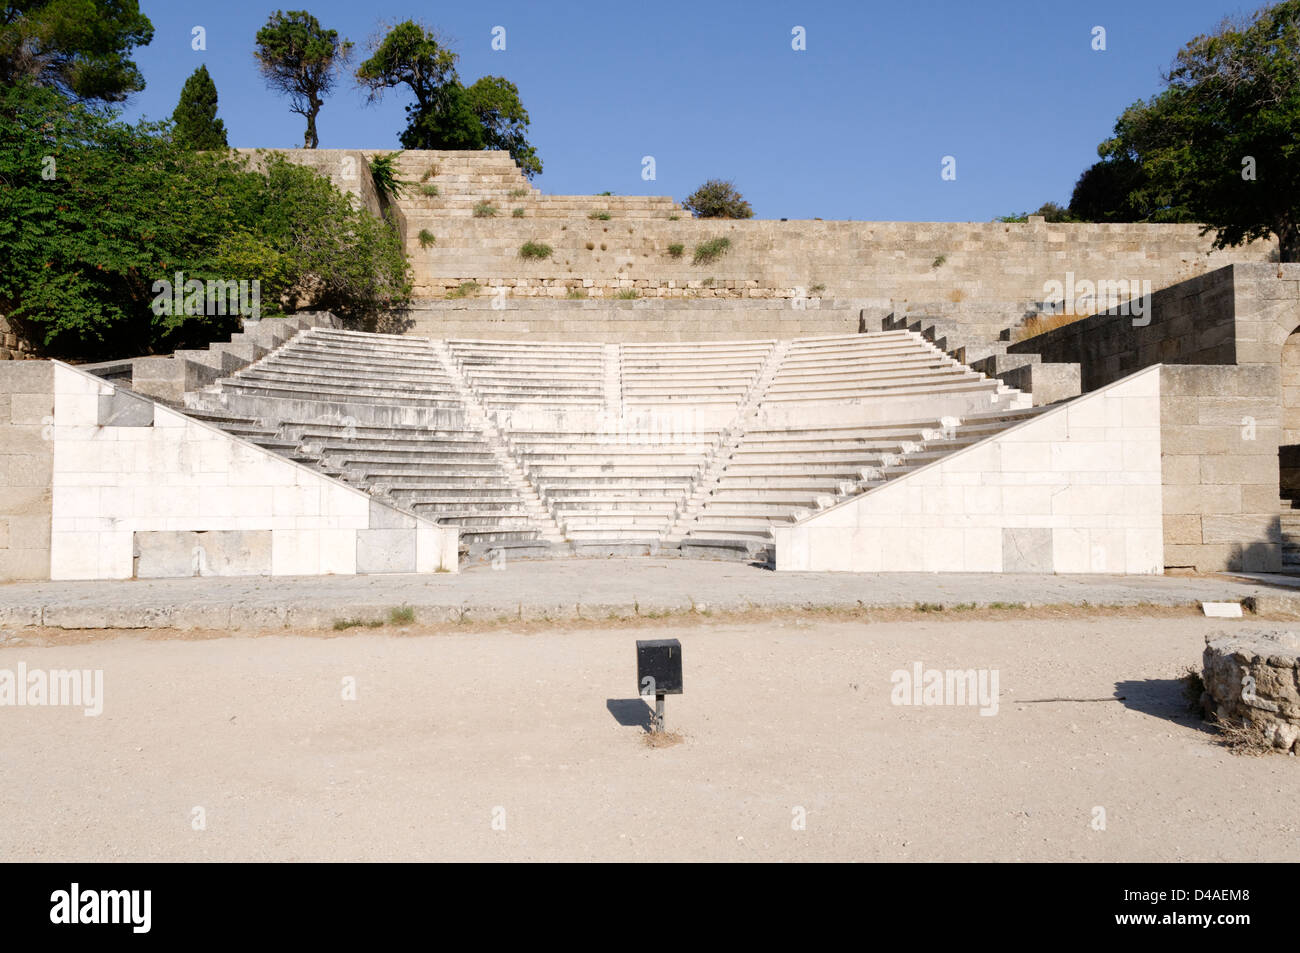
(278, 375)
(958, 386)
(341, 369)
(845, 471)
(334, 443)
(635, 456)
(776, 510)
(878, 379)
(777, 483)
(451, 484)
(390, 472)
(599, 477)
(828, 375)
(615, 491)
(474, 537)
(732, 529)
(597, 504)
(765, 496)
(362, 458)
(399, 399)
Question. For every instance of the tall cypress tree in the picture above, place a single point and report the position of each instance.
(197, 125)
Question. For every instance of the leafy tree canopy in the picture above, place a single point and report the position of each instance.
(79, 47)
(446, 114)
(1218, 144)
(301, 59)
(93, 212)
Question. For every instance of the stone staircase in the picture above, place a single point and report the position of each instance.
(449, 185)
(533, 447)
(385, 413)
(1047, 383)
(1290, 524)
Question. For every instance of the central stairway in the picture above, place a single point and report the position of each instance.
(533, 448)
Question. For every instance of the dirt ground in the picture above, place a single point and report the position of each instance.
(529, 743)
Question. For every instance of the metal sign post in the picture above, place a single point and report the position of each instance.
(658, 673)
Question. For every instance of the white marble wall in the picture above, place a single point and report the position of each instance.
(1075, 490)
(183, 475)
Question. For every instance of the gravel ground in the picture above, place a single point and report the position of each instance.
(503, 745)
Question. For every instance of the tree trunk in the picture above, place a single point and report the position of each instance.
(311, 140)
(1288, 242)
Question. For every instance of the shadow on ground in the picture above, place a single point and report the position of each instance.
(1161, 698)
(630, 712)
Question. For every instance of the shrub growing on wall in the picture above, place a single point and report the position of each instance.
(717, 198)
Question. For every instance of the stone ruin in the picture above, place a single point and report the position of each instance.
(1252, 680)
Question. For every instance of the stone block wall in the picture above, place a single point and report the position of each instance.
(162, 494)
(1192, 322)
(606, 245)
(1219, 431)
(1230, 405)
(13, 346)
(648, 321)
(26, 468)
(1074, 490)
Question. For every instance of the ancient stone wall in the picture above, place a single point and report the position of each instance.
(475, 212)
(1223, 418)
(1219, 433)
(26, 468)
(13, 345)
(1252, 682)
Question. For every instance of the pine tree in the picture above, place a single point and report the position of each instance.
(197, 125)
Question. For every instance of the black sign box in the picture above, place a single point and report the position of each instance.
(661, 660)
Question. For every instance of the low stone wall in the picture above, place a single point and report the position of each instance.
(140, 490)
(1074, 490)
(615, 322)
(26, 468)
(13, 346)
(1238, 314)
(1192, 322)
(1219, 432)
(1221, 340)
(1252, 680)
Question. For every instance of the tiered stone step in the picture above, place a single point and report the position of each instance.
(780, 476)
(511, 441)
(603, 487)
(465, 181)
(509, 374)
(428, 467)
(715, 373)
(1290, 525)
(863, 366)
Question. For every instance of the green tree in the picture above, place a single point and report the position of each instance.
(79, 47)
(1102, 192)
(93, 212)
(717, 198)
(1218, 144)
(495, 101)
(195, 119)
(446, 114)
(301, 59)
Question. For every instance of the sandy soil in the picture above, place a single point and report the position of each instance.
(542, 732)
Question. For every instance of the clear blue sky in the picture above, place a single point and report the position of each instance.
(854, 127)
